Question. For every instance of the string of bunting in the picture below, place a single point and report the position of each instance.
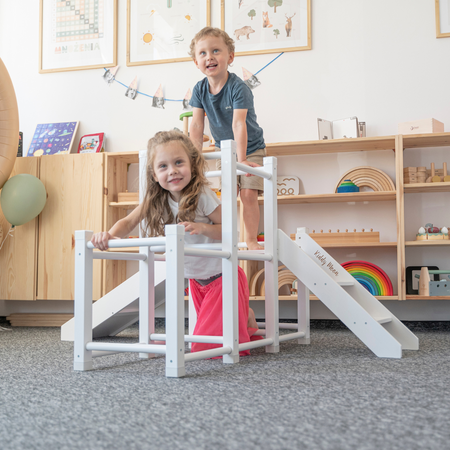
(109, 76)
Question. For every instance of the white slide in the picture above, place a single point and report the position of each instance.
(119, 308)
(359, 310)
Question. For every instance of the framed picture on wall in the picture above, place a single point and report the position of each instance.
(442, 18)
(161, 31)
(77, 35)
(268, 26)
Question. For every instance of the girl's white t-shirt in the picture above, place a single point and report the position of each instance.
(200, 268)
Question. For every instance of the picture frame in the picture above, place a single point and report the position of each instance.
(268, 26)
(442, 10)
(77, 35)
(92, 143)
(53, 138)
(159, 34)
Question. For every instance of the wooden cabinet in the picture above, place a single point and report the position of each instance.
(74, 185)
(37, 263)
(18, 256)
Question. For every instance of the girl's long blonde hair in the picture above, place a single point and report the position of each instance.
(155, 207)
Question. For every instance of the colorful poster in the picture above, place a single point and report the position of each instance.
(52, 138)
(78, 34)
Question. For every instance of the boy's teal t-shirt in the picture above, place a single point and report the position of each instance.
(219, 110)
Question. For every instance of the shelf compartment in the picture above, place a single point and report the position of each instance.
(426, 140)
(331, 146)
(334, 198)
(426, 187)
(436, 243)
(361, 245)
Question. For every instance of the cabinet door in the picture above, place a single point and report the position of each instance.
(19, 252)
(74, 186)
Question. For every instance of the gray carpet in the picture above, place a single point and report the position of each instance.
(332, 394)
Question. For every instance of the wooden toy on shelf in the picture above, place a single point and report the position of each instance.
(370, 177)
(347, 186)
(288, 185)
(260, 237)
(431, 233)
(285, 277)
(412, 175)
(438, 176)
(429, 288)
(352, 237)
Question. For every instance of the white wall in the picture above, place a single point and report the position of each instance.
(377, 60)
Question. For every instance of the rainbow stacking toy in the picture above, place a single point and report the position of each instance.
(372, 277)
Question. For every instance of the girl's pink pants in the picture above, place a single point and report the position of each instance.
(208, 305)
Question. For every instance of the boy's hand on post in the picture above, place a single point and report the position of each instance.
(250, 164)
(100, 240)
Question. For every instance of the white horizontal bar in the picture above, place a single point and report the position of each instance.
(191, 338)
(207, 354)
(98, 354)
(287, 337)
(258, 171)
(192, 251)
(255, 344)
(120, 256)
(135, 242)
(213, 155)
(255, 255)
(134, 348)
(189, 251)
(218, 173)
(285, 326)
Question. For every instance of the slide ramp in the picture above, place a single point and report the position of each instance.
(360, 311)
(119, 308)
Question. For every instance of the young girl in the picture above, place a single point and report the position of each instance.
(178, 192)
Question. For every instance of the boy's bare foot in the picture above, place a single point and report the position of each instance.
(253, 245)
(251, 319)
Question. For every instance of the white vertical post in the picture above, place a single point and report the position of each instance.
(83, 301)
(175, 301)
(271, 246)
(303, 293)
(303, 311)
(230, 306)
(146, 299)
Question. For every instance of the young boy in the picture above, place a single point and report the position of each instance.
(228, 103)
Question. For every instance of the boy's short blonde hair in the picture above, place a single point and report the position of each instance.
(211, 31)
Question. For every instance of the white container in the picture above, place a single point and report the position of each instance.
(421, 126)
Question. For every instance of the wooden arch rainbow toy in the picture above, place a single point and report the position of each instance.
(372, 277)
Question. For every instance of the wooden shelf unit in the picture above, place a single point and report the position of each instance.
(396, 143)
(421, 141)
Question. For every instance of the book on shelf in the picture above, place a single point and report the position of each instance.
(92, 143)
